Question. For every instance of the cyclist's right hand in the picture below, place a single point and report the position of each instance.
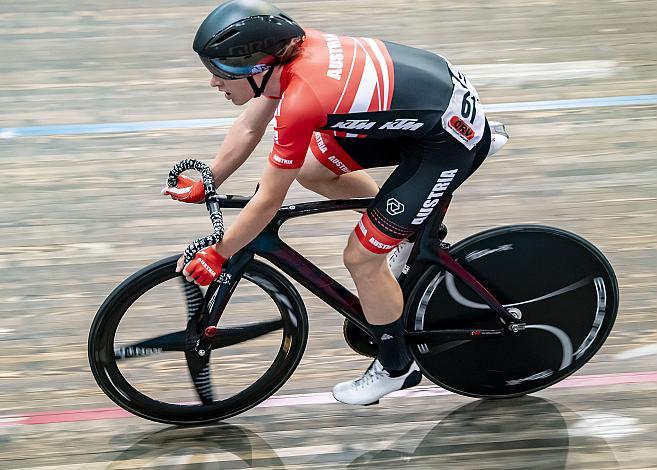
(187, 190)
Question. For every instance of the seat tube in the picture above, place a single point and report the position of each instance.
(437, 220)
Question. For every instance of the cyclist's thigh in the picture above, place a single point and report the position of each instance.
(314, 170)
(429, 170)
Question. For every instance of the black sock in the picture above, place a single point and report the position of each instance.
(394, 355)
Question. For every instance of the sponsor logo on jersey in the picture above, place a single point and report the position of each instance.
(433, 198)
(351, 124)
(402, 125)
(461, 127)
(283, 161)
(396, 125)
(320, 142)
(341, 166)
(379, 245)
(336, 56)
(394, 207)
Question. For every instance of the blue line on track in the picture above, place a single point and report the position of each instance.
(122, 127)
(609, 101)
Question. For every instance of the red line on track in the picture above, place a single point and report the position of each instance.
(94, 414)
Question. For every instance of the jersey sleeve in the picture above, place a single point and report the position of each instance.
(297, 116)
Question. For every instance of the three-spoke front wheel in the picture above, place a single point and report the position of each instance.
(142, 344)
(560, 285)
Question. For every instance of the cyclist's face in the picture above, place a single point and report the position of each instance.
(237, 91)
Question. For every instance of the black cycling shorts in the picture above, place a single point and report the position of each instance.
(428, 170)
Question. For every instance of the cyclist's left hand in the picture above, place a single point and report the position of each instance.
(187, 190)
(204, 268)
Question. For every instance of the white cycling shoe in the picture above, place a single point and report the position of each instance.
(374, 384)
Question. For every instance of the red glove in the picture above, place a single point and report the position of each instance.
(187, 190)
(205, 267)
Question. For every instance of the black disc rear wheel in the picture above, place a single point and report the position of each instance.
(142, 344)
(562, 286)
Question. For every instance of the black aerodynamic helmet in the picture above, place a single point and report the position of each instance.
(242, 38)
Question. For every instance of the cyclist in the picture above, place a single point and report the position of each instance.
(351, 103)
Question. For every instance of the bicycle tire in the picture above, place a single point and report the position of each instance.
(104, 364)
(567, 293)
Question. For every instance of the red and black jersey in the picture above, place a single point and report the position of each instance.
(355, 87)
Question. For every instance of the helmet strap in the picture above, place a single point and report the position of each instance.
(259, 90)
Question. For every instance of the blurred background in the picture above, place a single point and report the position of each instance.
(89, 91)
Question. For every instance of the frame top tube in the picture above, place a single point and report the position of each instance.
(290, 211)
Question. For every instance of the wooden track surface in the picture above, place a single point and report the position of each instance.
(82, 212)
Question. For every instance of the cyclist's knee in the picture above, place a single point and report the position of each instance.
(359, 261)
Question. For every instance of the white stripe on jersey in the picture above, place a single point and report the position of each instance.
(368, 83)
(384, 71)
(346, 83)
(277, 114)
(278, 108)
(366, 86)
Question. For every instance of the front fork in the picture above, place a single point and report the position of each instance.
(217, 297)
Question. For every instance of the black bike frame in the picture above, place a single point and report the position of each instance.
(269, 246)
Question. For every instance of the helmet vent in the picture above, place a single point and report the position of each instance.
(223, 37)
(286, 17)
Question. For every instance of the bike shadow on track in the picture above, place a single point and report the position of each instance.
(526, 432)
(230, 445)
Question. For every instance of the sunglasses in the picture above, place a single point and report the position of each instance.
(234, 68)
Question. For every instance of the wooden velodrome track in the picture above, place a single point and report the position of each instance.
(81, 210)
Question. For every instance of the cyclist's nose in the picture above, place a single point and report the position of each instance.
(216, 81)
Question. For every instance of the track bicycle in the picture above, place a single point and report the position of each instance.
(503, 313)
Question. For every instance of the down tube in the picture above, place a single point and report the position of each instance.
(272, 248)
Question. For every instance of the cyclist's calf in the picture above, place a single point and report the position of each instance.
(378, 289)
